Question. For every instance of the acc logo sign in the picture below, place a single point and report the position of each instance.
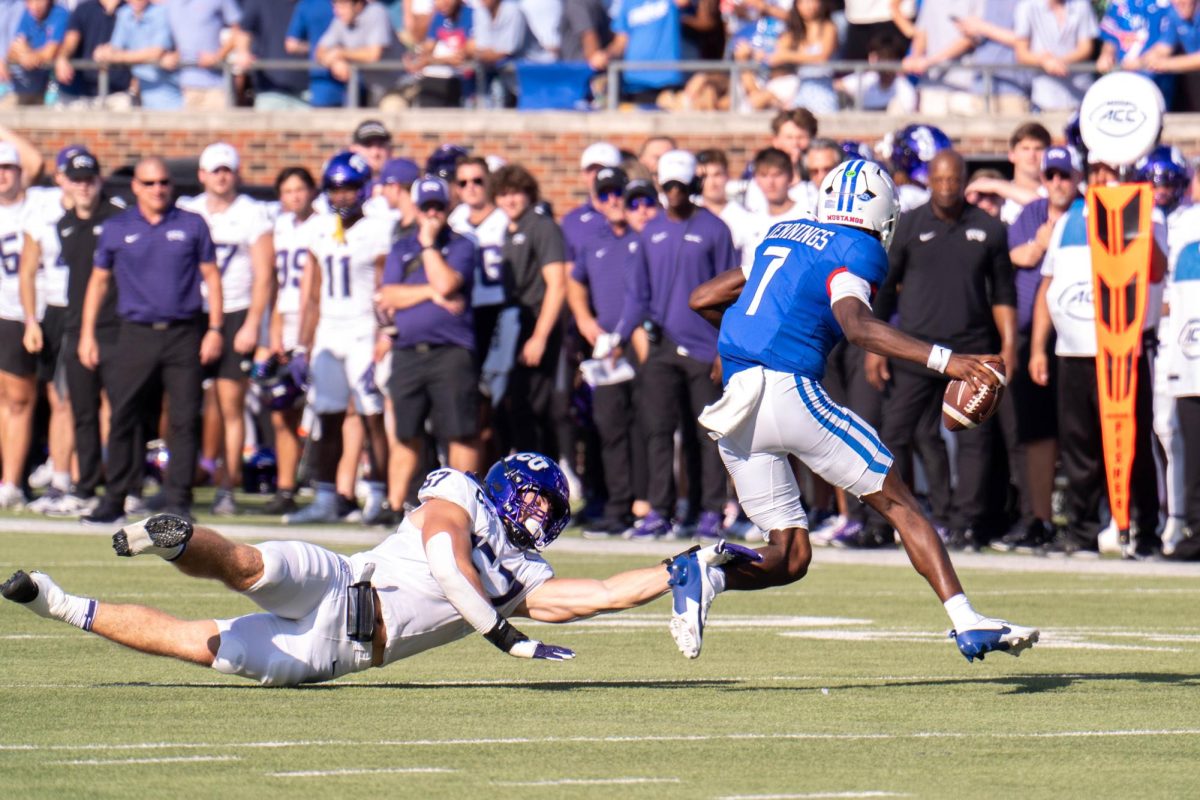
(1189, 339)
(1118, 118)
(1077, 303)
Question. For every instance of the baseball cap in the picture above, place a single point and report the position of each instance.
(602, 154)
(65, 155)
(81, 167)
(610, 178)
(400, 170)
(1060, 158)
(370, 130)
(218, 155)
(676, 165)
(431, 190)
(640, 188)
(9, 155)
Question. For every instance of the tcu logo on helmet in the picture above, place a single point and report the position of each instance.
(532, 460)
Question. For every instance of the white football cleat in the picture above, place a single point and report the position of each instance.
(163, 535)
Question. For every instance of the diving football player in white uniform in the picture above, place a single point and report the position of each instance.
(810, 285)
(466, 560)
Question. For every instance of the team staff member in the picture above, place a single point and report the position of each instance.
(684, 247)
(1065, 301)
(242, 236)
(596, 294)
(157, 255)
(534, 260)
(951, 258)
(77, 232)
(427, 285)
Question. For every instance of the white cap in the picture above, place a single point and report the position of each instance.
(219, 155)
(495, 162)
(600, 154)
(676, 165)
(9, 155)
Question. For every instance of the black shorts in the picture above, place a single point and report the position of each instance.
(231, 365)
(14, 358)
(50, 359)
(437, 381)
(1036, 406)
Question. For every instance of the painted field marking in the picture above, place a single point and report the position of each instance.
(121, 762)
(338, 773)
(586, 782)
(521, 740)
(810, 795)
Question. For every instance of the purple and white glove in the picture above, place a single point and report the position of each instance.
(298, 368)
(532, 648)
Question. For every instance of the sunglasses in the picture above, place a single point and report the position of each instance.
(1055, 174)
(429, 208)
(639, 203)
(160, 182)
(609, 194)
(465, 182)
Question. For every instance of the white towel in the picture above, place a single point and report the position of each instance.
(741, 398)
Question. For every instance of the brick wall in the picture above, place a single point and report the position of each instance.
(549, 144)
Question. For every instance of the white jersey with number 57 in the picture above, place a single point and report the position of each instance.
(346, 259)
(416, 612)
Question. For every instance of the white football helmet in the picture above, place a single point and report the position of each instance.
(860, 194)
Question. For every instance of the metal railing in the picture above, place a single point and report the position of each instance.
(613, 74)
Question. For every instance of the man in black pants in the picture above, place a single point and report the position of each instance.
(157, 255)
(951, 280)
(78, 231)
(683, 248)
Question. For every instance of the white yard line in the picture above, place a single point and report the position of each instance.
(338, 773)
(585, 782)
(121, 762)
(810, 795)
(568, 740)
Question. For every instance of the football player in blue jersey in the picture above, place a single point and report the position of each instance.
(811, 283)
(464, 561)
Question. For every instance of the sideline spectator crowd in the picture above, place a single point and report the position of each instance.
(383, 317)
(1027, 55)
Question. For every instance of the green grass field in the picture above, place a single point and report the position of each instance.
(840, 686)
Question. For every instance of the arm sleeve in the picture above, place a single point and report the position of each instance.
(379, 26)
(1023, 228)
(1022, 27)
(231, 13)
(393, 272)
(332, 37)
(298, 27)
(1004, 288)
(579, 268)
(550, 245)
(161, 29)
(461, 258)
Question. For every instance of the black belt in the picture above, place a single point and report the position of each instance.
(165, 324)
(425, 347)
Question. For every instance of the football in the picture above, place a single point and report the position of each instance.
(964, 407)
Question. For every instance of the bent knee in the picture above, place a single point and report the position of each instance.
(788, 557)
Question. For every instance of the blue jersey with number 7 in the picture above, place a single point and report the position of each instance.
(783, 320)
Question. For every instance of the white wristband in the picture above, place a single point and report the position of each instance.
(939, 358)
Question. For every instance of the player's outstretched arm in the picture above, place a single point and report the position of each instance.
(445, 533)
(711, 298)
(567, 599)
(875, 336)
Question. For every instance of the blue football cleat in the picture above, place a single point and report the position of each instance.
(990, 635)
(692, 589)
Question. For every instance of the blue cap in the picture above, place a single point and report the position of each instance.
(431, 190)
(400, 170)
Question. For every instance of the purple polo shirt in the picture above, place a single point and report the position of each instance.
(1024, 230)
(156, 267)
(427, 322)
(579, 226)
(605, 266)
(679, 256)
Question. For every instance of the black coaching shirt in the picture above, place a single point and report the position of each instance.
(78, 240)
(944, 277)
(532, 242)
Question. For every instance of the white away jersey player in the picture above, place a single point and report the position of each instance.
(233, 231)
(346, 259)
(291, 255)
(488, 288)
(417, 615)
(42, 213)
(38, 203)
(302, 638)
